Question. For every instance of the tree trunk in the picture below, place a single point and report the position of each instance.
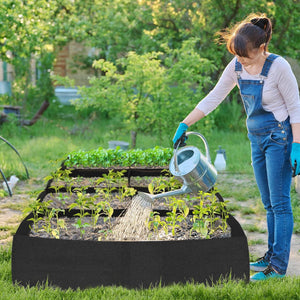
(39, 113)
(133, 139)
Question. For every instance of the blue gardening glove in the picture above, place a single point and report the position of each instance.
(179, 134)
(295, 158)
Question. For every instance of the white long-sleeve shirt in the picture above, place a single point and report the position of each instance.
(280, 91)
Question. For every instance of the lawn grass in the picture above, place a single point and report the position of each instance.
(287, 288)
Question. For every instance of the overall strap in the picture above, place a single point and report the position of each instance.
(267, 65)
(238, 68)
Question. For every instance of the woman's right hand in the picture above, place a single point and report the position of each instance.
(180, 132)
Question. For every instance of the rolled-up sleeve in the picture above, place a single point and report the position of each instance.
(223, 87)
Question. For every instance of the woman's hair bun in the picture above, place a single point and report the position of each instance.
(260, 22)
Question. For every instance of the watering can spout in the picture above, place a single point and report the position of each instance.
(192, 167)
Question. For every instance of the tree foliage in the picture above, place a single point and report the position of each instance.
(126, 34)
(150, 92)
(31, 30)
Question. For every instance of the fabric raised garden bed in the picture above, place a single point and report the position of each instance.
(78, 263)
(132, 264)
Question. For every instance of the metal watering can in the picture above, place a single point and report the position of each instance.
(190, 165)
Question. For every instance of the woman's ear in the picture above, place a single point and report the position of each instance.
(262, 47)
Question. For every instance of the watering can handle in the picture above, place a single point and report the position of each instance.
(204, 141)
(205, 144)
(175, 158)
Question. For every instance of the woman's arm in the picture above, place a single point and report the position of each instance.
(296, 132)
(194, 116)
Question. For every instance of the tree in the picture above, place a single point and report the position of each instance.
(149, 92)
(31, 30)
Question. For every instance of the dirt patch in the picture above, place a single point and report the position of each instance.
(11, 208)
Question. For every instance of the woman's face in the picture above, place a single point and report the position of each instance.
(255, 57)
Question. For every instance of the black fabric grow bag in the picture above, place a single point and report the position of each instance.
(83, 264)
(128, 171)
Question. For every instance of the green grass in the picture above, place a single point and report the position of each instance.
(287, 288)
(255, 242)
(247, 210)
(253, 228)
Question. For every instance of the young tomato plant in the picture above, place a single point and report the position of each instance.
(217, 208)
(48, 213)
(201, 226)
(109, 182)
(207, 213)
(179, 212)
(81, 203)
(36, 208)
(155, 224)
(60, 223)
(107, 211)
(162, 184)
(59, 178)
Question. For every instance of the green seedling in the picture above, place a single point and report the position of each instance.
(36, 208)
(107, 211)
(155, 223)
(62, 198)
(201, 227)
(81, 225)
(81, 203)
(58, 177)
(207, 213)
(60, 223)
(179, 212)
(100, 157)
(162, 184)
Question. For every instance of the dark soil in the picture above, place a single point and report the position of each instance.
(61, 194)
(103, 228)
(64, 200)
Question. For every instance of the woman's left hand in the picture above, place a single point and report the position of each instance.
(295, 157)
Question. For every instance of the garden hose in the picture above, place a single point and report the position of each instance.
(8, 143)
(4, 178)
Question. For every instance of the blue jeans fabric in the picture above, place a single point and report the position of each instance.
(270, 153)
(271, 143)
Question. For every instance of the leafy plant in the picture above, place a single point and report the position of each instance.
(125, 191)
(60, 224)
(58, 178)
(81, 203)
(109, 181)
(100, 157)
(207, 213)
(80, 224)
(36, 208)
(155, 223)
(48, 215)
(178, 214)
(107, 210)
(201, 226)
(62, 198)
(161, 184)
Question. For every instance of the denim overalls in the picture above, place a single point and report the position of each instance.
(270, 153)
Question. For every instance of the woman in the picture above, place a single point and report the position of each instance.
(271, 100)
